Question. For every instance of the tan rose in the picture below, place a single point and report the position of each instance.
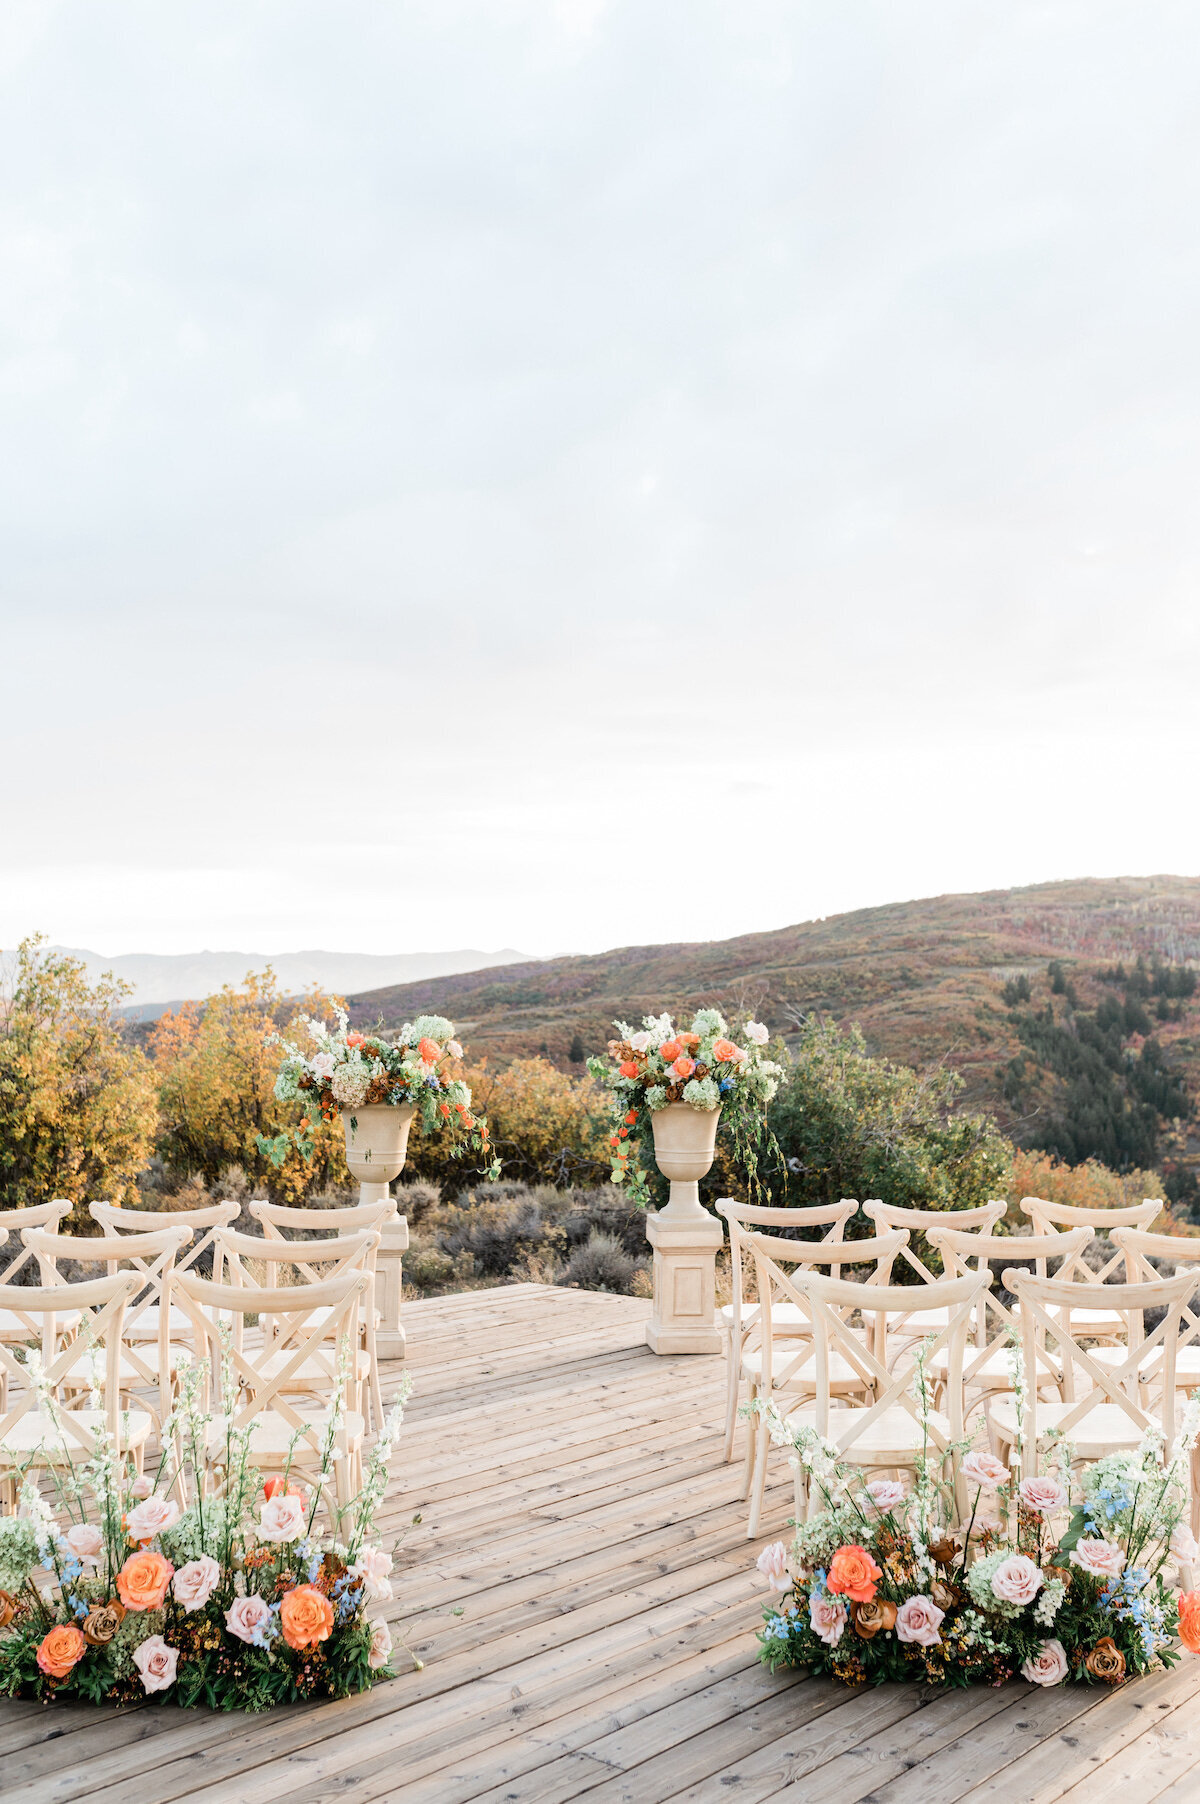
(1106, 1661)
(870, 1618)
(101, 1623)
(945, 1551)
(8, 1609)
(944, 1596)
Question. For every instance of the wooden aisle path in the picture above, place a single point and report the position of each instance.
(577, 1512)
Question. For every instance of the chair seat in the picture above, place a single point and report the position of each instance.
(312, 1371)
(1187, 1360)
(893, 1439)
(79, 1372)
(993, 1372)
(272, 1438)
(15, 1332)
(1104, 1429)
(788, 1318)
(313, 1316)
(33, 1434)
(842, 1375)
(1087, 1321)
(145, 1324)
(920, 1322)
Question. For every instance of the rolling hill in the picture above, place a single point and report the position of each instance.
(936, 979)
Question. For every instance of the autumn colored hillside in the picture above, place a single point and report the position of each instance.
(1099, 1056)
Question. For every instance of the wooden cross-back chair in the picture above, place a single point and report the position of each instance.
(288, 1264)
(201, 1223)
(13, 1222)
(1140, 1249)
(313, 1321)
(34, 1436)
(1097, 1321)
(884, 1432)
(988, 1369)
(739, 1317)
(922, 1318)
(785, 1366)
(1103, 1408)
(147, 1364)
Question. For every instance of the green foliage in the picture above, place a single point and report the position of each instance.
(850, 1125)
(77, 1099)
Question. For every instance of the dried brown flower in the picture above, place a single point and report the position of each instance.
(870, 1618)
(945, 1551)
(944, 1595)
(8, 1609)
(101, 1623)
(1106, 1661)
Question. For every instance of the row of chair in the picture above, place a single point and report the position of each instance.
(839, 1354)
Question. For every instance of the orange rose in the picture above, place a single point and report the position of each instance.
(60, 1650)
(629, 1068)
(853, 1573)
(724, 1051)
(670, 1049)
(305, 1616)
(689, 1040)
(355, 1040)
(683, 1067)
(143, 1579)
(1189, 1620)
(430, 1051)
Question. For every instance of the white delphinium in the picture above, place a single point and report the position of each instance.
(1049, 1603)
(375, 1475)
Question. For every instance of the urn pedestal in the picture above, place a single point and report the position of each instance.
(376, 1145)
(684, 1236)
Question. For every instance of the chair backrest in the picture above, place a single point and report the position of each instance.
(277, 1216)
(891, 1383)
(919, 1221)
(344, 1252)
(309, 1317)
(739, 1216)
(202, 1224)
(151, 1257)
(41, 1215)
(99, 1306)
(994, 1322)
(1048, 1218)
(776, 1285)
(1046, 1308)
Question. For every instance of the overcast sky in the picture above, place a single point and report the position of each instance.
(570, 474)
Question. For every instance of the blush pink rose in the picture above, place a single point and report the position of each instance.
(86, 1542)
(828, 1617)
(985, 1470)
(1103, 1559)
(1018, 1580)
(772, 1562)
(148, 1519)
(373, 1566)
(919, 1620)
(141, 1486)
(195, 1583)
(1043, 1496)
(1048, 1666)
(156, 1662)
(282, 1518)
(381, 1645)
(886, 1494)
(1183, 1544)
(246, 1615)
(757, 1032)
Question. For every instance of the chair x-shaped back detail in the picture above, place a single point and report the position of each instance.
(100, 1303)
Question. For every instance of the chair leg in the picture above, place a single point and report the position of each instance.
(733, 1361)
(758, 1479)
(800, 1493)
(751, 1425)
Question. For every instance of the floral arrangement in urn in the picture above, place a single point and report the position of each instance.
(345, 1071)
(1064, 1576)
(708, 1066)
(112, 1591)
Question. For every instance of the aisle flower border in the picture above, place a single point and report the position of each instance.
(708, 1066)
(113, 1592)
(348, 1070)
(875, 1586)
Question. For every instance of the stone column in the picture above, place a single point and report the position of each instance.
(389, 1336)
(685, 1254)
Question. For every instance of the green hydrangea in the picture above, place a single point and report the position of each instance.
(656, 1098)
(979, 1584)
(431, 1027)
(18, 1551)
(710, 1024)
(187, 1541)
(701, 1093)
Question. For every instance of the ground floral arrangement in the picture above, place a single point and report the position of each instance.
(112, 1591)
(1062, 1576)
(347, 1071)
(711, 1066)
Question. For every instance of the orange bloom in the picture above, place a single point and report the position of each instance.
(444, 1107)
(274, 1487)
(629, 1068)
(853, 1573)
(670, 1049)
(355, 1040)
(1189, 1620)
(691, 1041)
(430, 1051)
(631, 1118)
(612, 1140)
(305, 1616)
(724, 1051)
(143, 1579)
(623, 1133)
(60, 1650)
(683, 1067)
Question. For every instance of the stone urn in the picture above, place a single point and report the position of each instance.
(376, 1146)
(685, 1237)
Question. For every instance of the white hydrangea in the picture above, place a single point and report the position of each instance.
(710, 1023)
(350, 1083)
(287, 1084)
(431, 1027)
(702, 1093)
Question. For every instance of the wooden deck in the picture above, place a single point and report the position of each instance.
(576, 1511)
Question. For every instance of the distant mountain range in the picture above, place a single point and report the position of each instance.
(938, 979)
(163, 979)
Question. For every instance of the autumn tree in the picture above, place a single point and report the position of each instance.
(546, 1127)
(216, 1074)
(77, 1097)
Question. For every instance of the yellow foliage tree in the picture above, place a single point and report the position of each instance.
(216, 1076)
(546, 1126)
(1087, 1186)
(77, 1097)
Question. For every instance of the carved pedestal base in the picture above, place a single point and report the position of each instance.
(685, 1252)
(389, 1335)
